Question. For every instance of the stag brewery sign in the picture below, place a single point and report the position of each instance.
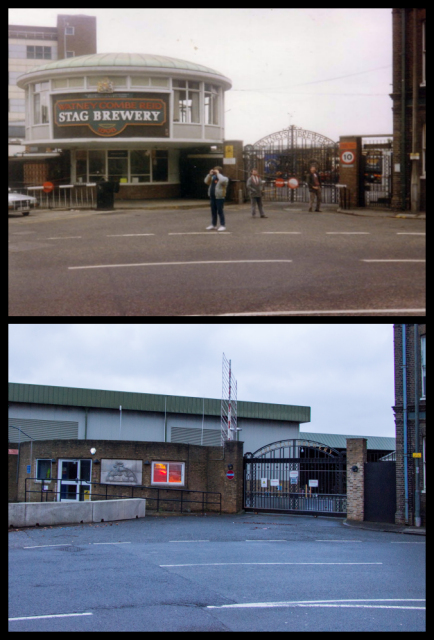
(133, 115)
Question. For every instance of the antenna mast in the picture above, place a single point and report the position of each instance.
(229, 403)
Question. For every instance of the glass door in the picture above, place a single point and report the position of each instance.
(74, 480)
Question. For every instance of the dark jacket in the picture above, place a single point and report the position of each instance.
(310, 180)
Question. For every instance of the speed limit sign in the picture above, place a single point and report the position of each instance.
(347, 157)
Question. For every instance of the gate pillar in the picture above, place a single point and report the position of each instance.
(350, 158)
(356, 457)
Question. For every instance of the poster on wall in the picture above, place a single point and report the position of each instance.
(128, 115)
(121, 472)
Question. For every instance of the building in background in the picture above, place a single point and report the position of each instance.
(409, 109)
(410, 422)
(29, 46)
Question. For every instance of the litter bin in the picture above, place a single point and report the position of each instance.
(105, 191)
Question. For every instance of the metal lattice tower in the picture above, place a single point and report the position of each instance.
(229, 403)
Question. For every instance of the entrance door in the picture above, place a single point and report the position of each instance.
(75, 480)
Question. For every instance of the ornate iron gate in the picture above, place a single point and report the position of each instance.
(289, 154)
(296, 476)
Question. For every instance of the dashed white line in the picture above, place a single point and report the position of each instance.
(126, 235)
(48, 545)
(409, 233)
(348, 233)
(219, 564)
(393, 260)
(320, 312)
(188, 540)
(163, 264)
(323, 603)
(64, 238)
(110, 543)
(58, 615)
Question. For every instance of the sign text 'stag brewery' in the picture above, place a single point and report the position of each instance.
(109, 117)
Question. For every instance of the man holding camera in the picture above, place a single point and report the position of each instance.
(217, 192)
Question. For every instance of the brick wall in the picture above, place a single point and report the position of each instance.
(205, 468)
(83, 42)
(411, 49)
(399, 423)
(356, 455)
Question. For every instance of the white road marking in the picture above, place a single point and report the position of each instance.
(59, 615)
(338, 541)
(348, 233)
(199, 233)
(188, 540)
(345, 312)
(274, 232)
(64, 238)
(110, 543)
(162, 264)
(408, 233)
(322, 603)
(392, 260)
(281, 540)
(407, 543)
(48, 545)
(125, 235)
(214, 564)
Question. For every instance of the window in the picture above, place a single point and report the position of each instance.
(186, 101)
(40, 103)
(43, 469)
(69, 31)
(160, 166)
(211, 104)
(70, 54)
(140, 166)
(118, 165)
(39, 53)
(423, 364)
(96, 165)
(171, 473)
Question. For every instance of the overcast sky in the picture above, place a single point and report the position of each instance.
(343, 372)
(325, 70)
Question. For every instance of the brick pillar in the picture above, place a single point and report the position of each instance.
(349, 172)
(356, 456)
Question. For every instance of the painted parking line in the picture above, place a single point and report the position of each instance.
(164, 264)
(58, 615)
(220, 564)
(325, 603)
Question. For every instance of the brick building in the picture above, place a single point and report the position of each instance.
(29, 46)
(410, 418)
(409, 81)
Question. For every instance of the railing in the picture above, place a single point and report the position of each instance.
(82, 483)
(64, 196)
(320, 503)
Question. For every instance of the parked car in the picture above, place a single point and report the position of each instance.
(21, 202)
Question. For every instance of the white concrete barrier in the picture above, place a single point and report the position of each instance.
(29, 514)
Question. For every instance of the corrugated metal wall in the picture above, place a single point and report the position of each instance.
(41, 429)
(211, 437)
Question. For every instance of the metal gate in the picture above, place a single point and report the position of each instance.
(296, 476)
(289, 154)
(380, 491)
(376, 168)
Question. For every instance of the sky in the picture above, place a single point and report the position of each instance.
(325, 70)
(345, 373)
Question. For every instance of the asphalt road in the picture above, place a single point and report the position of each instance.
(216, 573)
(164, 263)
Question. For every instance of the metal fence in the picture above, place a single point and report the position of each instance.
(160, 500)
(66, 196)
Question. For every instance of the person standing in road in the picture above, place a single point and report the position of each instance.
(314, 183)
(217, 191)
(254, 188)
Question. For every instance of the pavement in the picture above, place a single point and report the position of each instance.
(385, 526)
(296, 207)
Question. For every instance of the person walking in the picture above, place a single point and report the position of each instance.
(217, 191)
(255, 186)
(314, 183)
